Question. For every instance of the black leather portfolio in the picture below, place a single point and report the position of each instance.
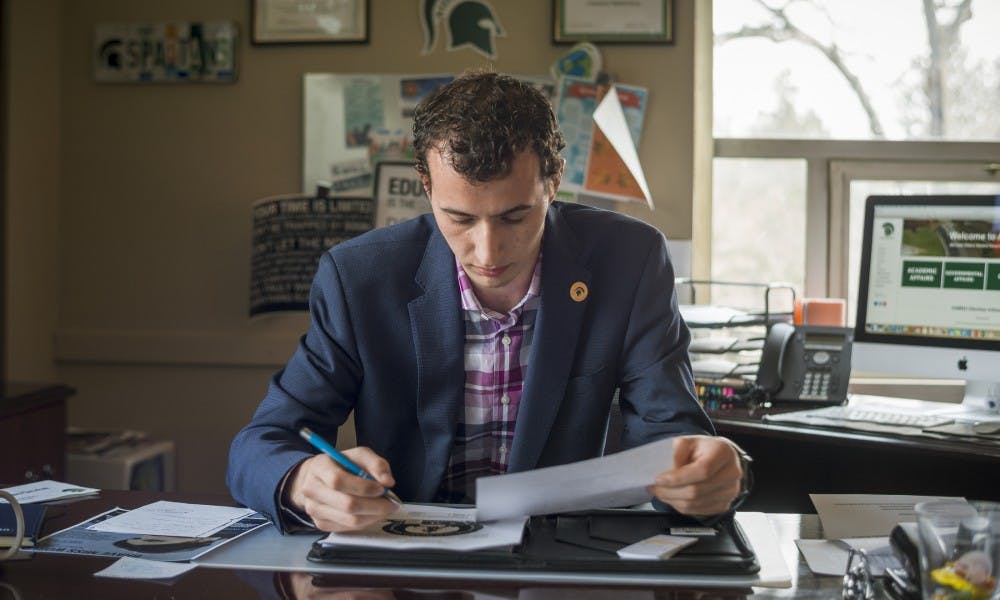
(575, 542)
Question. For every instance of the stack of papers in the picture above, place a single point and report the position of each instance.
(707, 315)
(47, 491)
(165, 531)
(174, 519)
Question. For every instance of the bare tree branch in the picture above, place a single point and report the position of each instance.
(783, 30)
(963, 12)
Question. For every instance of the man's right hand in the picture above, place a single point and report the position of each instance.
(336, 500)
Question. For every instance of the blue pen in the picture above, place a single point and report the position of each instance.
(342, 460)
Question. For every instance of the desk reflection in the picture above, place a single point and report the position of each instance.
(306, 586)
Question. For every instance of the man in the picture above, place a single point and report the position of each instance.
(488, 337)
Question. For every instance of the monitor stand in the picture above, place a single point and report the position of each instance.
(981, 403)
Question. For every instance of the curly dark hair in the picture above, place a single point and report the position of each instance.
(481, 121)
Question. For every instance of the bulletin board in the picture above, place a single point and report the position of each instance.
(353, 121)
(358, 170)
(358, 119)
(352, 118)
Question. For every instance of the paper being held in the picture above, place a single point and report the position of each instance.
(611, 481)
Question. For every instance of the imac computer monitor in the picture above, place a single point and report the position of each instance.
(929, 293)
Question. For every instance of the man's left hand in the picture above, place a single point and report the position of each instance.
(705, 479)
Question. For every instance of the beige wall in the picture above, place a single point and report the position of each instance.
(32, 187)
(137, 199)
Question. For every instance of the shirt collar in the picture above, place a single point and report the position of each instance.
(471, 303)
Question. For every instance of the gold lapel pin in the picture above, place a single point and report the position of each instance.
(578, 291)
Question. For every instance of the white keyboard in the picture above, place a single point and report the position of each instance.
(880, 417)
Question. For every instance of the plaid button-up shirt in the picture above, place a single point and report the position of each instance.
(497, 348)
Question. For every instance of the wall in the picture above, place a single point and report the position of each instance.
(32, 188)
(154, 184)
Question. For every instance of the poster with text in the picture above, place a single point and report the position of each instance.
(399, 195)
(290, 233)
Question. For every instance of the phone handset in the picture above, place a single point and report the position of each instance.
(773, 357)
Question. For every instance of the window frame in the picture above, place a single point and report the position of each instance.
(831, 166)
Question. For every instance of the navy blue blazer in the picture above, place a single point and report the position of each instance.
(386, 341)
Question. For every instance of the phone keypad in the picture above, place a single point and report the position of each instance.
(816, 385)
(821, 380)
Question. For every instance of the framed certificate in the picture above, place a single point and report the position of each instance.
(633, 22)
(309, 21)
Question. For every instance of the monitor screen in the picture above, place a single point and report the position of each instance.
(929, 293)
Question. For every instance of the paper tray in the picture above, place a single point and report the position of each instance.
(573, 542)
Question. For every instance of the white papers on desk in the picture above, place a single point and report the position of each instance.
(80, 539)
(978, 425)
(611, 481)
(47, 491)
(865, 515)
(774, 572)
(140, 568)
(178, 519)
(829, 557)
(416, 526)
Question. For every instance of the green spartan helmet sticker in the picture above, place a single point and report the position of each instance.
(471, 23)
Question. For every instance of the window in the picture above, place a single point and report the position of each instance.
(856, 69)
(753, 197)
(819, 103)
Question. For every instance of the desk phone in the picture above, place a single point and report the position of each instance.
(806, 362)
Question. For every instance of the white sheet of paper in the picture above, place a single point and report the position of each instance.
(414, 526)
(708, 314)
(611, 481)
(45, 491)
(610, 119)
(774, 572)
(864, 515)
(140, 568)
(175, 519)
(829, 557)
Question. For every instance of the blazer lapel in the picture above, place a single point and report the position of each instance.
(557, 329)
(438, 340)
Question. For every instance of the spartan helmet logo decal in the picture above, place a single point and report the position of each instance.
(470, 23)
